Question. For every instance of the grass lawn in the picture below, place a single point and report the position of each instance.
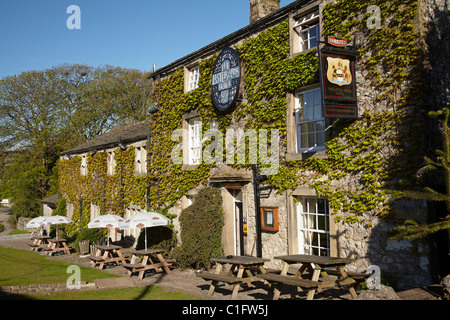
(21, 267)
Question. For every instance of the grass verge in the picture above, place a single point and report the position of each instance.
(20, 267)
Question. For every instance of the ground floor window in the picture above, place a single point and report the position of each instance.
(313, 226)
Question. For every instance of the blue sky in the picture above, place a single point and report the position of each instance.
(126, 33)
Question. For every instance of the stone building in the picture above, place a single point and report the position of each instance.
(328, 174)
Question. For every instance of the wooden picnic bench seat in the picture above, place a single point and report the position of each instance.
(304, 283)
(219, 277)
(359, 276)
(96, 259)
(132, 266)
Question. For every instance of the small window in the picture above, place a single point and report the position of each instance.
(83, 167)
(111, 163)
(141, 160)
(195, 141)
(194, 76)
(308, 31)
(309, 121)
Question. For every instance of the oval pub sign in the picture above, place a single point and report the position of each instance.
(225, 80)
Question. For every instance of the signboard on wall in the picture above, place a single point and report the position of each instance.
(225, 79)
(338, 81)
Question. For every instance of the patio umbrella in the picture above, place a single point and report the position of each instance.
(36, 222)
(57, 220)
(145, 220)
(106, 221)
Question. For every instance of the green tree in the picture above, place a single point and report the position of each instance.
(437, 169)
(45, 112)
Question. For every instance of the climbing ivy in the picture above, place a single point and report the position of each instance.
(363, 156)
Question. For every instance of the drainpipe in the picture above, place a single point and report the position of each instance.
(256, 179)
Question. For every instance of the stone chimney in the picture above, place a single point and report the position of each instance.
(261, 8)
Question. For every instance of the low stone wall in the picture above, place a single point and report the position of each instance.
(22, 223)
(46, 288)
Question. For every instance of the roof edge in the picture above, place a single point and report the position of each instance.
(234, 37)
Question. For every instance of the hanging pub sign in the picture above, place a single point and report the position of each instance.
(336, 42)
(225, 79)
(337, 69)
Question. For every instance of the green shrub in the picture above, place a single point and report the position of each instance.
(2, 227)
(94, 236)
(162, 237)
(201, 230)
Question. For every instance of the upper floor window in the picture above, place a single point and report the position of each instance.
(309, 121)
(308, 31)
(83, 167)
(194, 76)
(195, 143)
(110, 163)
(140, 160)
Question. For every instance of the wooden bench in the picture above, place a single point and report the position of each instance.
(171, 262)
(219, 277)
(358, 276)
(294, 281)
(96, 259)
(34, 247)
(304, 283)
(132, 267)
(216, 278)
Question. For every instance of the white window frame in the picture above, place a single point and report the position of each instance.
(95, 210)
(313, 239)
(140, 160)
(111, 163)
(305, 27)
(194, 77)
(195, 141)
(309, 121)
(83, 166)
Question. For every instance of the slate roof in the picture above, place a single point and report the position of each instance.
(128, 134)
(51, 201)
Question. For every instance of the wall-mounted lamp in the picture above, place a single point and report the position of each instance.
(214, 125)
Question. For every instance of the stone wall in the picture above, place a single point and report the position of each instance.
(273, 243)
(43, 289)
(403, 264)
(22, 222)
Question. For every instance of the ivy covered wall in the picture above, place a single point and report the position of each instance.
(364, 157)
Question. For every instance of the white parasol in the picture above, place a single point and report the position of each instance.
(57, 220)
(106, 221)
(37, 222)
(145, 220)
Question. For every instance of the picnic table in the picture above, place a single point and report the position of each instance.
(147, 262)
(56, 246)
(244, 269)
(39, 242)
(315, 268)
(106, 255)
